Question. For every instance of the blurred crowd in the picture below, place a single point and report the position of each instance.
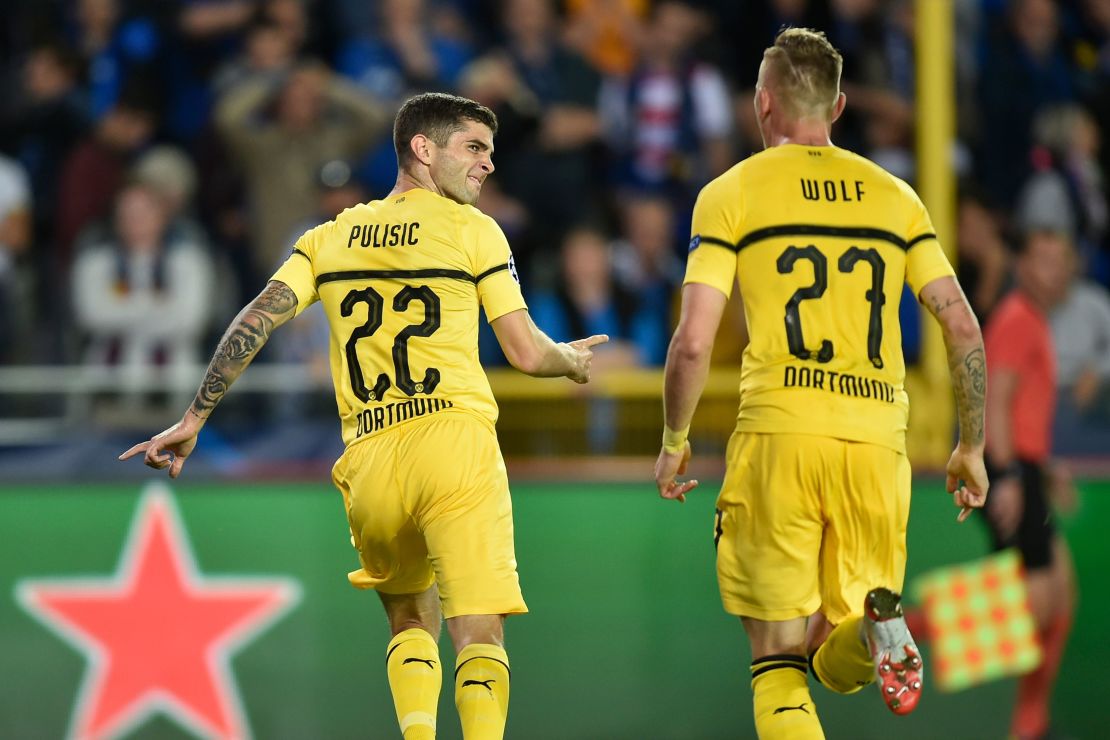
(159, 157)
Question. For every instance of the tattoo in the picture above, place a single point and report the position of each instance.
(937, 307)
(240, 343)
(969, 380)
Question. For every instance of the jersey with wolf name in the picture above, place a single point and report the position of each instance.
(401, 280)
(821, 242)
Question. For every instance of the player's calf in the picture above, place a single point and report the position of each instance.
(482, 691)
(415, 676)
(842, 663)
(784, 710)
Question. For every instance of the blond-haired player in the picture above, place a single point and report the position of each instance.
(401, 280)
(811, 518)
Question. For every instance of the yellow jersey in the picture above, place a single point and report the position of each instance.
(401, 281)
(821, 242)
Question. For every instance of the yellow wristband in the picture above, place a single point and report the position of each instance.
(674, 441)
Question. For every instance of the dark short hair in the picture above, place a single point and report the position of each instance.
(437, 116)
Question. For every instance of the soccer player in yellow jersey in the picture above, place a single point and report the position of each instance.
(811, 518)
(401, 280)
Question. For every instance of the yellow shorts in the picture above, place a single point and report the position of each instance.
(428, 503)
(807, 523)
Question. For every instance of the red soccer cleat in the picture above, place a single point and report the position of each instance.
(897, 660)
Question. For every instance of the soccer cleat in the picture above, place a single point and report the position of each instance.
(897, 660)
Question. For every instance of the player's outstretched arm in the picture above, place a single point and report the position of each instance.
(533, 353)
(967, 476)
(683, 381)
(246, 335)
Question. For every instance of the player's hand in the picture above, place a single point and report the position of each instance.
(1006, 506)
(170, 448)
(967, 480)
(668, 466)
(584, 355)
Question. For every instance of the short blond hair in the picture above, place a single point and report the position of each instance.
(804, 69)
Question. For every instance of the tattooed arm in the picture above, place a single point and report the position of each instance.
(967, 477)
(240, 343)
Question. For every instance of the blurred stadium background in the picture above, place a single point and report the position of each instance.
(158, 158)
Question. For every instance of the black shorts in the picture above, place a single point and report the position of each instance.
(1035, 532)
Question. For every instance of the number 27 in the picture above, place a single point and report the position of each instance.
(847, 263)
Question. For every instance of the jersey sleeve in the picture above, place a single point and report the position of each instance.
(298, 273)
(713, 238)
(495, 270)
(925, 260)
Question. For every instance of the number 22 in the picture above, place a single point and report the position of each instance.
(375, 309)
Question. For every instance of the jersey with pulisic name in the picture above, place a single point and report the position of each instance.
(401, 280)
(821, 242)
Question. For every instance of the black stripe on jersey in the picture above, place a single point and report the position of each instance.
(861, 232)
(491, 271)
(919, 238)
(297, 251)
(331, 277)
(718, 242)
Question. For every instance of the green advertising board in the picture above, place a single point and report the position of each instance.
(223, 611)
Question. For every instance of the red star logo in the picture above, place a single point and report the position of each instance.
(158, 635)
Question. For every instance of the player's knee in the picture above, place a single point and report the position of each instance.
(775, 638)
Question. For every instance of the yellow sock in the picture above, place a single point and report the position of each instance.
(843, 663)
(482, 691)
(784, 709)
(412, 663)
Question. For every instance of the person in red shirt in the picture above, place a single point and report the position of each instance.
(1021, 396)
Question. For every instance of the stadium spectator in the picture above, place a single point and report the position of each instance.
(669, 122)
(1021, 396)
(267, 55)
(202, 37)
(299, 24)
(983, 263)
(560, 133)
(41, 121)
(876, 40)
(172, 175)
(1067, 191)
(104, 158)
(1081, 339)
(141, 294)
(646, 266)
(586, 300)
(1021, 53)
(15, 238)
(401, 53)
(119, 48)
(608, 33)
(281, 136)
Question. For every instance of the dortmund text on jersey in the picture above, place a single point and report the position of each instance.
(821, 242)
(401, 281)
